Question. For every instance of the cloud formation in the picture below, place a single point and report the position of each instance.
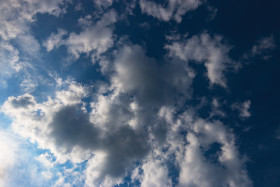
(224, 168)
(205, 49)
(131, 123)
(9, 60)
(94, 39)
(8, 158)
(138, 122)
(243, 108)
(16, 14)
(175, 9)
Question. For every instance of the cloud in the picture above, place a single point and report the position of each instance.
(103, 3)
(35, 120)
(137, 123)
(110, 130)
(98, 38)
(205, 49)
(9, 60)
(175, 9)
(155, 174)
(16, 152)
(14, 19)
(225, 168)
(94, 39)
(8, 158)
(19, 48)
(262, 48)
(130, 122)
(63, 126)
(216, 108)
(204, 153)
(24, 101)
(243, 108)
(263, 45)
(151, 83)
(54, 40)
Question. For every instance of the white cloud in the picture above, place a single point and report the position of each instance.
(63, 125)
(243, 108)
(205, 49)
(206, 157)
(29, 116)
(155, 174)
(54, 40)
(9, 59)
(198, 170)
(263, 45)
(16, 14)
(95, 172)
(95, 39)
(111, 145)
(216, 108)
(103, 3)
(19, 49)
(18, 163)
(8, 156)
(175, 9)
(131, 120)
(262, 48)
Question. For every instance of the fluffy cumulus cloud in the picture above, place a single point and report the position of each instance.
(18, 46)
(16, 14)
(94, 39)
(223, 167)
(211, 51)
(173, 9)
(206, 156)
(155, 174)
(78, 138)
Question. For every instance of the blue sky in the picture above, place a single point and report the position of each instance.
(139, 93)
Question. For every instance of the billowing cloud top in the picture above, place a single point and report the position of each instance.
(129, 93)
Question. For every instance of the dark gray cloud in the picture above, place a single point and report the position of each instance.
(71, 127)
(152, 83)
(23, 101)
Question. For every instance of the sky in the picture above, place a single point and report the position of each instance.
(108, 93)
